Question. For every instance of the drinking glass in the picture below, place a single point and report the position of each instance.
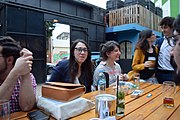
(137, 80)
(105, 106)
(4, 110)
(153, 60)
(120, 104)
(93, 88)
(168, 93)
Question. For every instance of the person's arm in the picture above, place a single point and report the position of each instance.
(124, 77)
(27, 96)
(7, 87)
(137, 63)
(60, 72)
(172, 62)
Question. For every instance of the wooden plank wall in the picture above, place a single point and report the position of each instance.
(134, 14)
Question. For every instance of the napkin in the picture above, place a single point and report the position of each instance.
(64, 110)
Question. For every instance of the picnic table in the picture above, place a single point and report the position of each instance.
(142, 107)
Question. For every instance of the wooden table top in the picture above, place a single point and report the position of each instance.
(142, 107)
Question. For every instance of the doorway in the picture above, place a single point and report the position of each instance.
(126, 55)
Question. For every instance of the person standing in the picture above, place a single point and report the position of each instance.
(145, 56)
(165, 71)
(17, 84)
(78, 69)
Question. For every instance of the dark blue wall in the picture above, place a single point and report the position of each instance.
(24, 20)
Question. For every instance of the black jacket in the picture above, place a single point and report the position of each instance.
(61, 73)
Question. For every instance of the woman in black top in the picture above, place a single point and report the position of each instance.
(145, 56)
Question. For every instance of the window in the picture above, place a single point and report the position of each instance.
(126, 49)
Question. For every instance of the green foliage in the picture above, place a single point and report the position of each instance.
(120, 95)
(49, 28)
(121, 105)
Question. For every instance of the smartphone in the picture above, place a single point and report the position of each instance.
(38, 115)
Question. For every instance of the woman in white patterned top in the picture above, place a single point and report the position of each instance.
(110, 52)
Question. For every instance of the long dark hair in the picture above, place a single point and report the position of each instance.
(142, 42)
(107, 48)
(86, 67)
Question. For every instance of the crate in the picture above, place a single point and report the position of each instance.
(134, 2)
(134, 14)
(114, 4)
(158, 11)
(150, 6)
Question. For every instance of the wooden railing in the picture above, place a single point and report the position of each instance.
(134, 14)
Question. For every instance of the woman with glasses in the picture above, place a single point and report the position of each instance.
(145, 56)
(176, 52)
(110, 53)
(78, 69)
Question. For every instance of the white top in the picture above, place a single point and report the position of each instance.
(164, 56)
(113, 72)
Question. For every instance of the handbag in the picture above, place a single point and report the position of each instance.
(63, 92)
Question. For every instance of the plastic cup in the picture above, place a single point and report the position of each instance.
(168, 93)
(4, 110)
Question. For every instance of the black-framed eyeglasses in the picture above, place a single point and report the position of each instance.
(82, 49)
